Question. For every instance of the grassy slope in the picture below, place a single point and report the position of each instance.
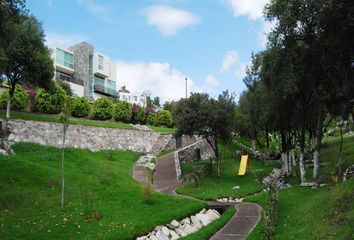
(30, 196)
(212, 187)
(55, 118)
(324, 213)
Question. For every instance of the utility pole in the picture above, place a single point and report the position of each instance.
(186, 88)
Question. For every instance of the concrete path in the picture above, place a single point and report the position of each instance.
(165, 177)
(140, 175)
(165, 181)
(241, 224)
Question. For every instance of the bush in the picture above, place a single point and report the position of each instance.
(19, 100)
(140, 115)
(66, 87)
(121, 111)
(80, 107)
(165, 118)
(152, 119)
(102, 109)
(51, 102)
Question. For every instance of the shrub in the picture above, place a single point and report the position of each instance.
(140, 115)
(51, 102)
(19, 100)
(152, 119)
(66, 87)
(80, 107)
(165, 118)
(121, 111)
(102, 109)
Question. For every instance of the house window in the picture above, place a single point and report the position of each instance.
(111, 87)
(64, 58)
(62, 76)
(100, 62)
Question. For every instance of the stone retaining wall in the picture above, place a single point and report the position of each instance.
(200, 150)
(89, 137)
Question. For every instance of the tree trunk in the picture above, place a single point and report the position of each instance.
(8, 107)
(302, 167)
(253, 145)
(340, 152)
(284, 161)
(62, 165)
(267, 136)
(218, 162)
(292, 157)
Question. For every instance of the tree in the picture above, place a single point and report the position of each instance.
(23, 55)
(207, 117)
(156, 101)
(64, 118)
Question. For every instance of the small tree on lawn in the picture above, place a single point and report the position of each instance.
(64, 118)
(210, 118)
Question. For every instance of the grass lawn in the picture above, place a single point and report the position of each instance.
(212, 187)
(162, 129)
(30, 196)
(208, 231)
(323, 213)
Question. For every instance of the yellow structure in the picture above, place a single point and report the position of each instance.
(243, 165)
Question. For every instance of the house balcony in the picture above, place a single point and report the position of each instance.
(104, 91)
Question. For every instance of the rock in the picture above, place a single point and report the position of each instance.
(157, 228)
(161, 236)
(196, 223)
(142, 238)
(203, 211)
(189, 229)
(236, 187)
(185, 221)
(174, 224)
(174, 235)
(153, 237)
(238, 200)
(181, 232)
(212, 215)
(165, 231)
(203, 219)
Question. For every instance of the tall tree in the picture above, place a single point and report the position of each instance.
(23, 55)
(207, 117)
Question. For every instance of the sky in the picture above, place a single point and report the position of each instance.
(158, 43)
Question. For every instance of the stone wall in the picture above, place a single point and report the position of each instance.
(89, 137)
(200, 150)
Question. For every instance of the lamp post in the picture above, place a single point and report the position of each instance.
(186, 88)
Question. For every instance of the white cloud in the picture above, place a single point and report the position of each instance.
(211, 82)
(93, 7)
(229, 60)
(169, 20)
(60, 40)
(251, 8)
(159, 78)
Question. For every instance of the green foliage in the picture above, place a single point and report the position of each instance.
(66, 87)
(50, 102)
(147, 193)
(19, 100)
(152, 119)
(165, 118)
(122, 111)
(140, 115)
(80, 107)
(102, 109)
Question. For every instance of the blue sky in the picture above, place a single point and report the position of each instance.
(155, 43)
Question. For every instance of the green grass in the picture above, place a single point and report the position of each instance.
(162, 129)
(323, 213)
(30, 196)
(208, 231)
(212, 187)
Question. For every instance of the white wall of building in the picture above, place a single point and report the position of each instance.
(77, 89)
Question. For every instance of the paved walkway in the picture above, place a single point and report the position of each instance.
(140, 175)
(241, 224)
(165, 177)
(165, 181)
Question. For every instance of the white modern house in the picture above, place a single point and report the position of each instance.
(134, 99)
(89, 73)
